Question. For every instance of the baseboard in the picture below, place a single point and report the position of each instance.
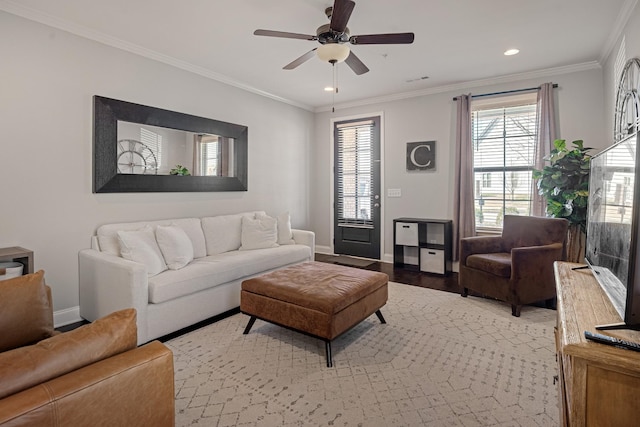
(326, 250)
(66, 316)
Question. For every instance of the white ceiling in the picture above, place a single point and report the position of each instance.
(457, 43)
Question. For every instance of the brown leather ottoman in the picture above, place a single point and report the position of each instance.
(319, 299)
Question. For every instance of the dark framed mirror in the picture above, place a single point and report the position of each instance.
(137, 148)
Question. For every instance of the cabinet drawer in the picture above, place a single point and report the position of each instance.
(407, 233)
(432, 260)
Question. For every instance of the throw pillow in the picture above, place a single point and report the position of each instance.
(285, 235)
(26, 314)
(259, 233)
(141, 246)
(28, 366)
(175, 245)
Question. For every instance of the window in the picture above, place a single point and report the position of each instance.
(209, 157)
(354, 172)
(504, 133)
(215, 155)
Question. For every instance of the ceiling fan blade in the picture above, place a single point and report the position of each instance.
(304, 58)
(393, 38)
(340, 15)
(284, 34)
(355, 64)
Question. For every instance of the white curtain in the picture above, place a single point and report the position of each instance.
(464, 224)
(546, 136)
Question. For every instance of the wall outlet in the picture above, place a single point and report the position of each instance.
(394, 192)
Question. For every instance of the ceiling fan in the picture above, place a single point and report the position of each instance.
(334, 36)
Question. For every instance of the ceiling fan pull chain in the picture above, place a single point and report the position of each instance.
(335, 87)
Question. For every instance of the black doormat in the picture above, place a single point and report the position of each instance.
(349, 261)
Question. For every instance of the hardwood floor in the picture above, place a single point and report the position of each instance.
(426, 280)
(416, 278)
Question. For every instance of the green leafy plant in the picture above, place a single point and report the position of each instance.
(179, 170)
(565, 182)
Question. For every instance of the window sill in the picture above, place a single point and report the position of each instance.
(488, 231)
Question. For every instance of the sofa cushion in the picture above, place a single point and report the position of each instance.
(108, 234)
(215, 270)
(26, 313)
(26, 367)
(175, 246)
(498, 264)
(141, 246)
(223, 233)
(260, 232)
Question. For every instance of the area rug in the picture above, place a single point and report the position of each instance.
(441, 360)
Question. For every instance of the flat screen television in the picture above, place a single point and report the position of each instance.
(613, 244)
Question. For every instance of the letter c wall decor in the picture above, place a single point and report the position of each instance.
(421, 155)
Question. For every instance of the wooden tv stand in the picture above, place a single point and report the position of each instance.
(599, 384)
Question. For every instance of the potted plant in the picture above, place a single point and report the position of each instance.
(564, 183)
(179, 170)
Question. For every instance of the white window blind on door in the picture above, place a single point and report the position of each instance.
(354, 173)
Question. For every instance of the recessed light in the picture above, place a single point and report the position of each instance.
(511, 52)
(328, 89)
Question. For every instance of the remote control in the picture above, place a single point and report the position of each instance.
(616, 342)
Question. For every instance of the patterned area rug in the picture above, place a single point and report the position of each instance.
(441, 360)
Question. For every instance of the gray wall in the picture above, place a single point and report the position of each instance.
(47, 80)
(579, 100)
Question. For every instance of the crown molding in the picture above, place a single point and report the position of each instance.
(467, 85)
(617, 30)
(79, 30)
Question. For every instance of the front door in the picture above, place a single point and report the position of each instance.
(357, 187)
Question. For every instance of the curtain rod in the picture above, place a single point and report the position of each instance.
(506, 92)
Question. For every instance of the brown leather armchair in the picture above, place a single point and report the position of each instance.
(516, 267)
(91, 376)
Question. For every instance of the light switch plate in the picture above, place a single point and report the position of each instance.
(394, 192)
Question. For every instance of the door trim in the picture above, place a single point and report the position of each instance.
(332, 198)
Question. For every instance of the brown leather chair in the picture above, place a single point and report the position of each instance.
(91, 376)
(516, 267)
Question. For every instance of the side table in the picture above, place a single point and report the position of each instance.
(18, 254)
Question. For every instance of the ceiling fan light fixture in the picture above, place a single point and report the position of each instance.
(333, 52)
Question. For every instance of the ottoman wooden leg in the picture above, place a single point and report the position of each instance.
(249, 325)
(379, 314)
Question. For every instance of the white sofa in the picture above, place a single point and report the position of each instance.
(207, 286)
